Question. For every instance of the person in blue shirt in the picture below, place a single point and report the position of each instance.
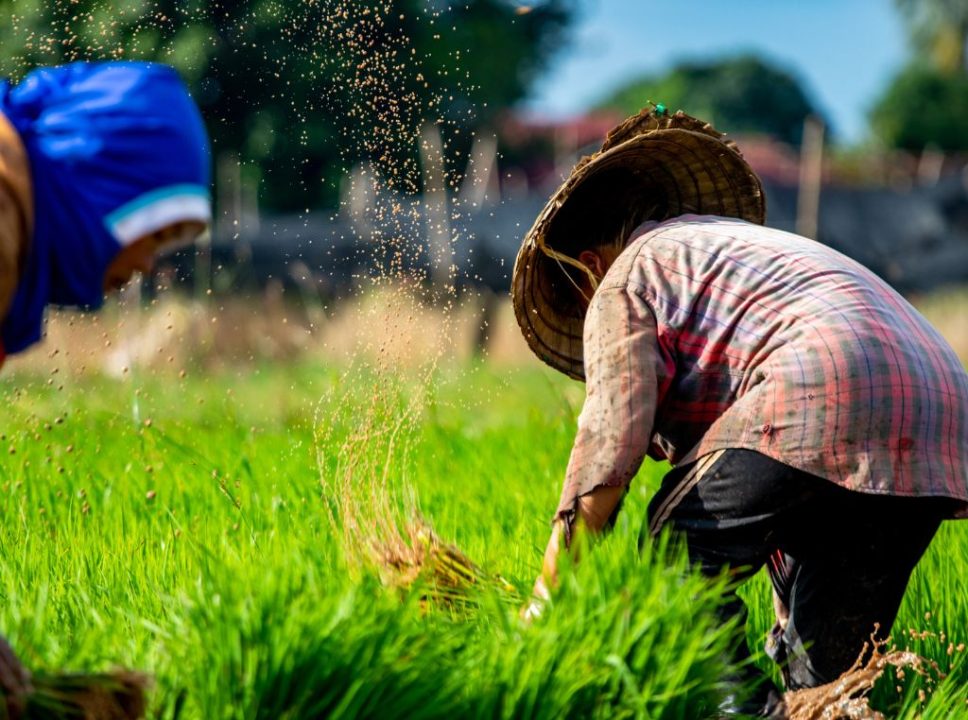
(102, 166)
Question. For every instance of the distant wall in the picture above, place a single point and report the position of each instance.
(917, 240)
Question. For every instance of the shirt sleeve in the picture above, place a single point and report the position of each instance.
(616, 423)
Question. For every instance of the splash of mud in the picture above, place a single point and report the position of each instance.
(846, 697)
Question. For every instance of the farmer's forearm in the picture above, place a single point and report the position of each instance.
(594, 511)
(595, 508)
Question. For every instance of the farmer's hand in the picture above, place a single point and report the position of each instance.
(594, 511)
(539, 596)
(549, 575)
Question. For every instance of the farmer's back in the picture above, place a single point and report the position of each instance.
(775, 343)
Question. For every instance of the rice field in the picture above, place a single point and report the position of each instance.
(243, 535)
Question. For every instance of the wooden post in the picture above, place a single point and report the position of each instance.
(811, 177)
(930, 165)
(436, 210)
(481, 183)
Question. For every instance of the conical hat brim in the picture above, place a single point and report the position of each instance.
(683, 170)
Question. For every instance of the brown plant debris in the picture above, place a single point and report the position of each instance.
(116, 695)
(846, 697)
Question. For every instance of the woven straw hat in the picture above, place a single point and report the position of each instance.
(654, 166)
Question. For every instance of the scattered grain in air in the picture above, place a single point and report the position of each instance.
(150, 495)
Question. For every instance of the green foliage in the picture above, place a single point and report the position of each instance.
(302, 91)
(737, 95)
(199, 548)
(926, 104)
(923, 107)
(939, 31)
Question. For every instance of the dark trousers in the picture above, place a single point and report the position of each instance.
(839, 560)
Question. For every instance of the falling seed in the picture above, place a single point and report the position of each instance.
(150, 495)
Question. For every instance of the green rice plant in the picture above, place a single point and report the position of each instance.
(201, 541)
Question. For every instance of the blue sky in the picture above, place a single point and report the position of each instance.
(844, 51)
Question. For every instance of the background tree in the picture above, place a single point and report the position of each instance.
(927, 102)
(923, 107)
(938, 31)
(739, 95)
(301, 91)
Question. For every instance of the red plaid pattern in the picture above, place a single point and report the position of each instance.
(710, 333)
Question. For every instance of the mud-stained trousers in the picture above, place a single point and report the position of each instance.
(839, 560)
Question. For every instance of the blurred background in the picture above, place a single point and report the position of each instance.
(361, 147)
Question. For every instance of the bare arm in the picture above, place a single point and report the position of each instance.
(624, 370)
(16, 211)
(594, 511)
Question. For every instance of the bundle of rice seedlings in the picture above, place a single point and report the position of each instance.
(371, 507)
(846, 697)
(116, 695)
(415, 556)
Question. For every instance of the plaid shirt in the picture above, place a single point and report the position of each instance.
(712, 333)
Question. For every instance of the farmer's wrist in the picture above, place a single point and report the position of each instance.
(541, 590)
(549, 567)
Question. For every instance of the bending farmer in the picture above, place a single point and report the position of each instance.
(816, 423)
(102, 166)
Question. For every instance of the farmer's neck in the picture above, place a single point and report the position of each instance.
(598, 260)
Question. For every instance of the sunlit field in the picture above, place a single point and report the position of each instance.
(306, 467)
(213, 529)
